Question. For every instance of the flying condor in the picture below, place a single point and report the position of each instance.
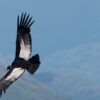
(22, 60)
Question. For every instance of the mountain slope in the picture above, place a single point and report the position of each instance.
(28, 88)
(75, 72)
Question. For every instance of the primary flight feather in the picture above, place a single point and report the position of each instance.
(22, 59)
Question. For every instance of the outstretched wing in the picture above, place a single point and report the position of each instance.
(23, 41)
(11, 76)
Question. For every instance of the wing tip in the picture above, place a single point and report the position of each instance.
(25, 21)
(2, 88)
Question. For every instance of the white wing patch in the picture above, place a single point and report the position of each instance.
(25, 50)
(16, 72)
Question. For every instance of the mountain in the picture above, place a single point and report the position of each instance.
(71, 74)
(74, 72)
(28, 88)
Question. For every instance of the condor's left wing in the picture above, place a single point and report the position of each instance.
(11, 76)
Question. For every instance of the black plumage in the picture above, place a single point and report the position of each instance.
(22, 59)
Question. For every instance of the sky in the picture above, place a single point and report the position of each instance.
(59, 24)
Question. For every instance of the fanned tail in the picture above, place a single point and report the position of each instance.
(34, 64)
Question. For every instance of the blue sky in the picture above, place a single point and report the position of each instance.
(66, 34)
(58, 25)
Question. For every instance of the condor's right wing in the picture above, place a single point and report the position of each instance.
(23, 41)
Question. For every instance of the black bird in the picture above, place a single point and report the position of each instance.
(22, 59)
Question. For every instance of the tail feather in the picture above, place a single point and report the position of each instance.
(34, 64)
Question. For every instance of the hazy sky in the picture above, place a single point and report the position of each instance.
(59, 24)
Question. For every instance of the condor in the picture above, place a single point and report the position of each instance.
(22, 59)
